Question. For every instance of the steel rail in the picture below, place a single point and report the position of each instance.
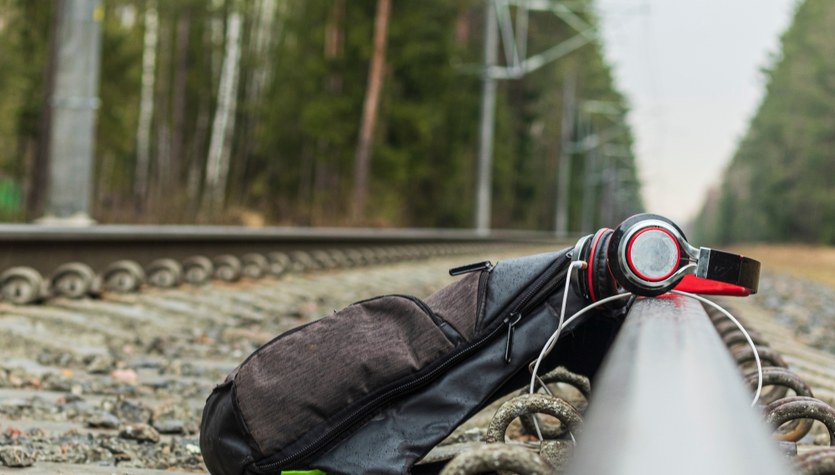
(11, 232)
(670, 399)
(43, 247)
(40, 261)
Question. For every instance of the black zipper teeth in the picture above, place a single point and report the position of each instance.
(481, 306)
(343, 425)
(379, 400)
(526, 300)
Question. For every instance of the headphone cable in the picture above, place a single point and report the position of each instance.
(743, 331)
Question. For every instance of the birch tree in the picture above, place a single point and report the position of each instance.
(146, 102)
(267, 32)
(217, 163)
(179, 106)
(266, 18)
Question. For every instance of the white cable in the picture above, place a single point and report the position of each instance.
(744, 332)
(549, 345)
(534, 376)
(568, 275)
(574, 264)
(580, 264)
(552, 341)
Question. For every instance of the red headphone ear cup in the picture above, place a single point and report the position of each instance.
(602, 283)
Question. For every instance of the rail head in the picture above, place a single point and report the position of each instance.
(670, 399)
(41, 261)
(127, 232)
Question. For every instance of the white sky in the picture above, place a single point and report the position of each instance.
(691, 71)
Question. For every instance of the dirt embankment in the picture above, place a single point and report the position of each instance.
(815, 263)
(797, 287)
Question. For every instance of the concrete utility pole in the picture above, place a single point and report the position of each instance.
(488, 113)
(74, 104)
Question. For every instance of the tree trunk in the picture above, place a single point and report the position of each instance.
(216, 36)
(146, 103)
(157, 199)
(335, 42)
(37, 167)
(334, 33)
(265, 32)
(369, 111)
(199, 143)
(462, 27)
(217, 165)
(178, 108)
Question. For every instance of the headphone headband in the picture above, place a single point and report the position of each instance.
(729, 268)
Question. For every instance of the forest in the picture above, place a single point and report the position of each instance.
(780, 185)
(252, 112)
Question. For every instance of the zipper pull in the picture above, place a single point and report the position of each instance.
(511, 322)
(478, 266)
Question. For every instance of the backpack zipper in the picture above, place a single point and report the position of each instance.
(520, 306)
(466, 269)
(531, 297)
(511, 321)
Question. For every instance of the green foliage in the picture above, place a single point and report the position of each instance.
(780, 185)
(299, 102)
(23, 57)
(121, 65)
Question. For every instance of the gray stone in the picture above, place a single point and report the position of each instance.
(103, 420)
(133, 412)
(139, 432)
(16, 456)
(175, 426)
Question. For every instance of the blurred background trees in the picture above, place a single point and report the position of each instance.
(214, 111)
(780, 185)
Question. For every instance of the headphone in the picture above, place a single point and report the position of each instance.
(648, 255)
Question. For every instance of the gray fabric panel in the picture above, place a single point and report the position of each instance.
(509, 278)
(299, 380)
(457, 303)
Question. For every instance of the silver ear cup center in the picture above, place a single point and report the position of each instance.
(653, 255)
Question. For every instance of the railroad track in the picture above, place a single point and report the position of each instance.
(660, 405)
(42, 262)
(119, 379)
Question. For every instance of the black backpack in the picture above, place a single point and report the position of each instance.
(374, 387)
